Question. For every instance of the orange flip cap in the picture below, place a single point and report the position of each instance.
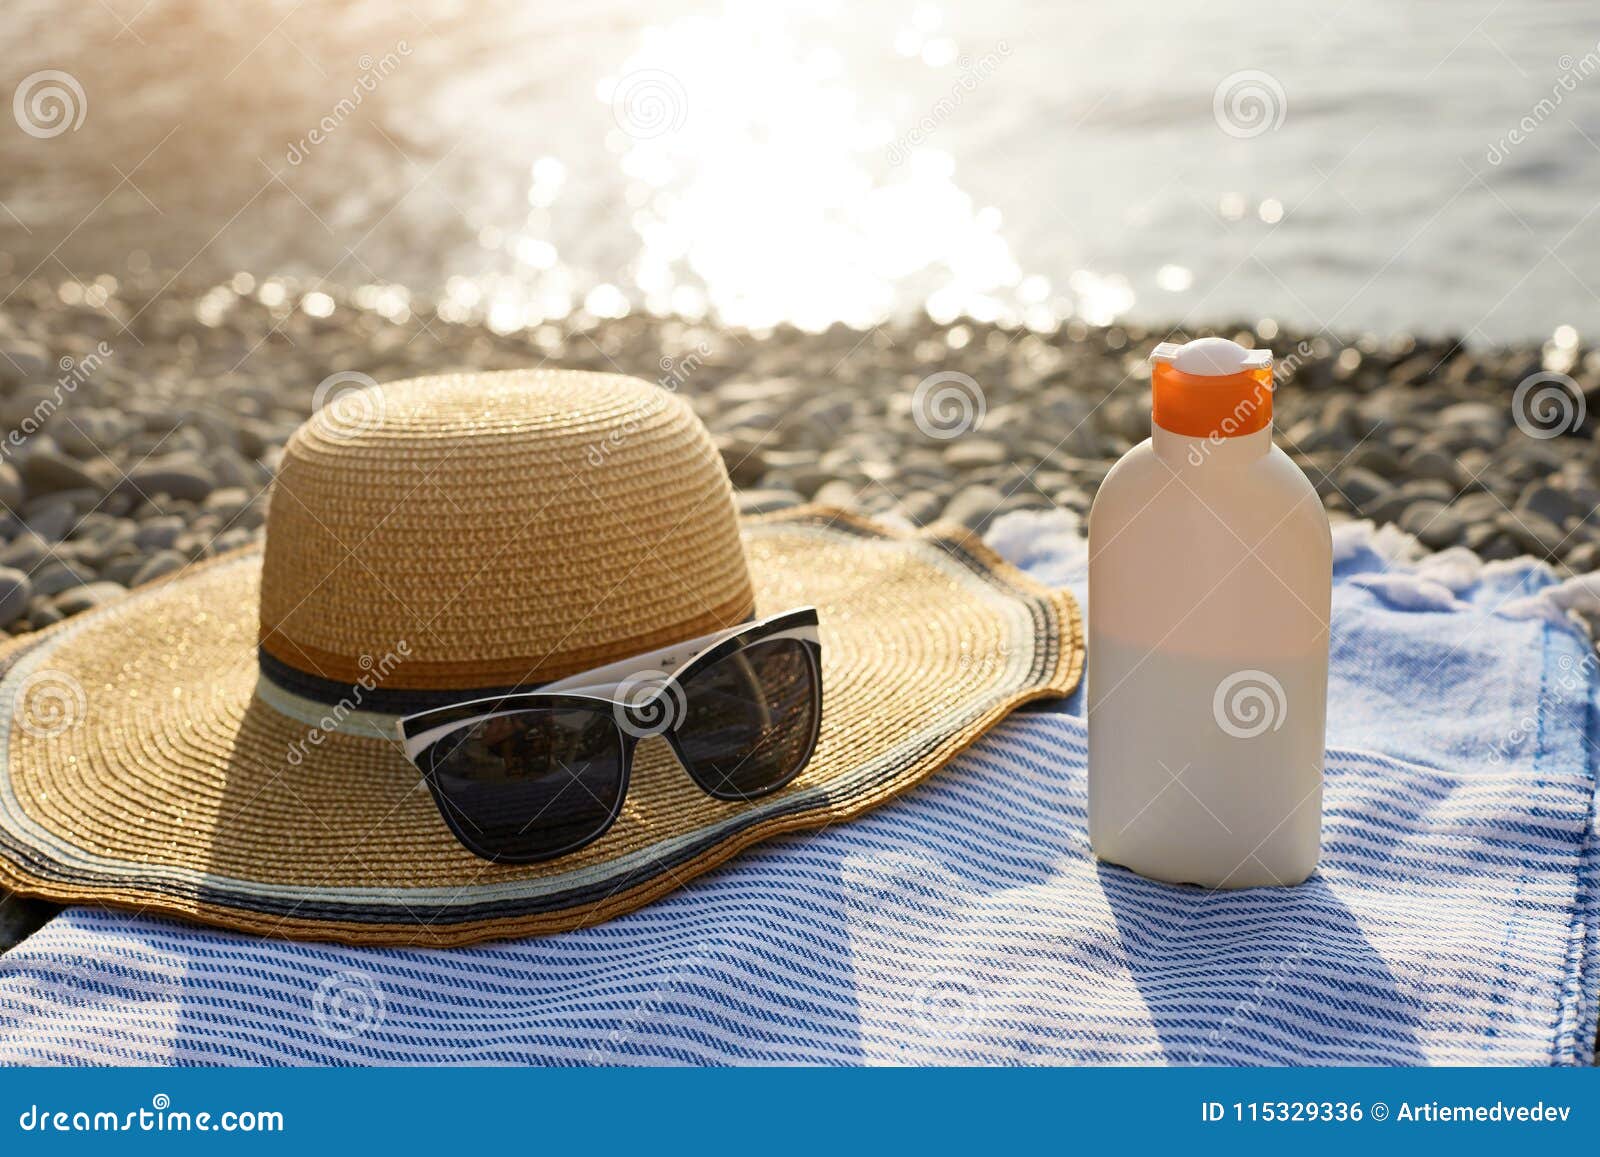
(1208, 404)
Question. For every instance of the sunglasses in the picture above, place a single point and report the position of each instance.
(528, 776)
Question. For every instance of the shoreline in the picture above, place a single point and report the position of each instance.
(141, 391)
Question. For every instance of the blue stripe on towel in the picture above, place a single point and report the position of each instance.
(1453, 918)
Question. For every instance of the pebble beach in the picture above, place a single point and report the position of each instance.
(143, 422)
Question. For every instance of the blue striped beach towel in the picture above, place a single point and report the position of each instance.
(1453, 918)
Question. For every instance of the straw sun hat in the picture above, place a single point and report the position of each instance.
(185, 750)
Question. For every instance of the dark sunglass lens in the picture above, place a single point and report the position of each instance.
(531, 784)
(750, 720)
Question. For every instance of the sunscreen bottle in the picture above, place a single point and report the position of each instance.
(1210, 576)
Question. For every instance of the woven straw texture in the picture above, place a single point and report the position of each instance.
(509, 528)
(142, 771)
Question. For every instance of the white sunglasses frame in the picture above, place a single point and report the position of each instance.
(665, 671)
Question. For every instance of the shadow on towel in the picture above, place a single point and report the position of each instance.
(1227, 975)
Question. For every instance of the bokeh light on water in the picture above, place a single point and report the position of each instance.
(767, 163)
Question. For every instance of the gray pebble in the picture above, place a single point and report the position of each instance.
(1428, 488)
(1435, 526)
(158, 565)
(46, 471)
(15, 591)
(23, 360)
(921, 506)
(970, 453)
(1362, 487)
(1078, 500)
(1556, 505)
(88, 596)
(50, 518)
(1490, 419)
(56, 576)
(10, 487)
(743, 461)
(232, 540)
(226, 502)
(1479, 507)
(194, 545)
(90, 433)
(1499, 547)
(837, 493)
(1388, 507)
(107, 539)
(807, 481)
(233, 470)
(185, 481)
(120, 505)
(124, 570)
(1479, 534)
(159, 533)
(1584, 558)
(1025, 498)
(42, 613)
(82, 500)
(830, 414)
(759, 416)
(1429, 463)
(738, 392)
(207, 526)
(761, 501)
(1534, 532)
(974, 507)
(1377, 458)
(25, 552)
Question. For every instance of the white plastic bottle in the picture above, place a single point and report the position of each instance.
(1210, 576)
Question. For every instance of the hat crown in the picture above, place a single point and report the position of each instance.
(496, 530)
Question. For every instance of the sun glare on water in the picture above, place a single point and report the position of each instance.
(765, 189)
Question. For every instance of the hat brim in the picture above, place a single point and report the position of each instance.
(142, 770)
